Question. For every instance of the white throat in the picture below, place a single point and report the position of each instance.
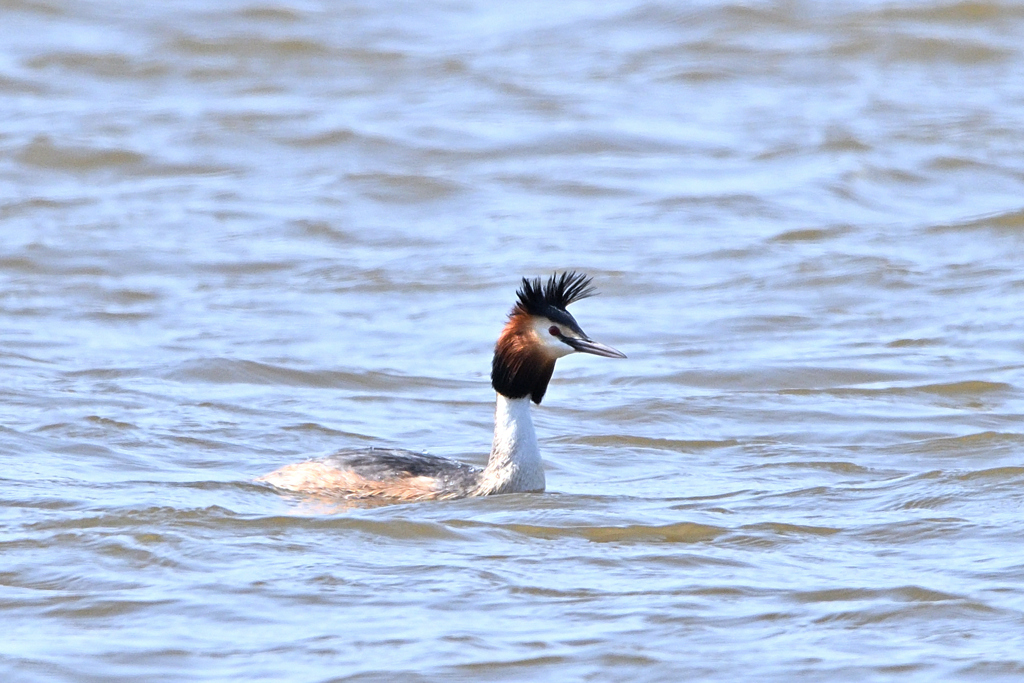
(515, 463)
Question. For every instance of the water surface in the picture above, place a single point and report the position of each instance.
(234, 236)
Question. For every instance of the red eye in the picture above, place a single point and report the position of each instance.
(555, 332)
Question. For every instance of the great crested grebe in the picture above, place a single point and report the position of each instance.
(539, 331)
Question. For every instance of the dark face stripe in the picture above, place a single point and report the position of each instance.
(561, 317)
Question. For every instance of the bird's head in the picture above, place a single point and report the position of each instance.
(539, 331)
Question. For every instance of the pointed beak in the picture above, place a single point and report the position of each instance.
(585, 345)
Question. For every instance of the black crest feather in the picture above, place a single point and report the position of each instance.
(519, 368)
(558, 292)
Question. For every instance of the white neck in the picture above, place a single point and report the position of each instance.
(515, 463)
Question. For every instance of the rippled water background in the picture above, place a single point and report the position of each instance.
(234, 235)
